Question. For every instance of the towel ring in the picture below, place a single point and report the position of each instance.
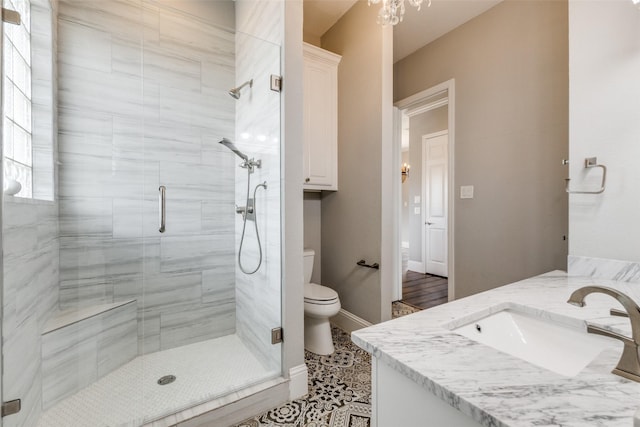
(589, 163)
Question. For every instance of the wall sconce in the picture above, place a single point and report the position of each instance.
(405, 172)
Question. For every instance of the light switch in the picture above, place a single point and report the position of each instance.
(416, 210)
(466, 192)
(405, 204)
(416, 199)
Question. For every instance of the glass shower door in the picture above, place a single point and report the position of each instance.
(205, 323)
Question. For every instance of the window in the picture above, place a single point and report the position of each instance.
(18, 157)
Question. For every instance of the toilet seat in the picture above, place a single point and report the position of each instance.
(319, 295)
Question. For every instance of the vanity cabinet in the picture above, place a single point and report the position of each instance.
(320, 119)
(399, 401)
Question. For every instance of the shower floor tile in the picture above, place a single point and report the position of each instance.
(131, 395)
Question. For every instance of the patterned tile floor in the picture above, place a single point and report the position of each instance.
(399, 309)
(339, 388)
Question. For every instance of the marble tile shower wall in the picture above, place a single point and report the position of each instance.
(143, 103)
(30, 244)
(600, 268)
(259, 296)
(44, 90)
(30, 239)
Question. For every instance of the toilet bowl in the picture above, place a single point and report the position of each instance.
(320, 303)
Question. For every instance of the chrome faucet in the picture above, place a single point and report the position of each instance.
(629, 364)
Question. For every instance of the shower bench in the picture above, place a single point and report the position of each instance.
(82, 345)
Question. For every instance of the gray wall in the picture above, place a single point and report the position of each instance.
(128, 123)
(351, 217)
(420, 125)
(313, 231)
(510, 66)
(405, 200)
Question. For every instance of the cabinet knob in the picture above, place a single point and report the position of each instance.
(307, 180)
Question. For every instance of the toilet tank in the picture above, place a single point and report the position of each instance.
(309, 254)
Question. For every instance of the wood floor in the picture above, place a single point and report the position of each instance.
(424, 290)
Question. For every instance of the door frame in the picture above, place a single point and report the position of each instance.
(2, 296)
(420, 102)
(423, 211)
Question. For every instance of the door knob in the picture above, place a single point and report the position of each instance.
(307, 180)
(429, 223)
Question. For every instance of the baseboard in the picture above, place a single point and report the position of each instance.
(298, 385)
(416, 266)
(349, 322)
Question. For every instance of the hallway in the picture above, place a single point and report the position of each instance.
(424, 290)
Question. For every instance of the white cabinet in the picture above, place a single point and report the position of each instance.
(399, 401)
(320, 118)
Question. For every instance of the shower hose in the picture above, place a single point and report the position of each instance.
(255, 221)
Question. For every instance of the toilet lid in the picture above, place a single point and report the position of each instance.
(315, 292)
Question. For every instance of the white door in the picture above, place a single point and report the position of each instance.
(435, 157)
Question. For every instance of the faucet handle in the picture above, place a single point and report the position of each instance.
(619, 313)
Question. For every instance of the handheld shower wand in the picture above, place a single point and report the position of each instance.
(247, 163)
(248, 211)
(235, 92)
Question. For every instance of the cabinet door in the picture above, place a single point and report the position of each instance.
(320, 126)
(399, 401)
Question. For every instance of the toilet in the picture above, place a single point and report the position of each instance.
(320, 303)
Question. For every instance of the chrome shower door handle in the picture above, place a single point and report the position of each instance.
(162, 207)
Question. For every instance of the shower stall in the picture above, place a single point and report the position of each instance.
(142, 257)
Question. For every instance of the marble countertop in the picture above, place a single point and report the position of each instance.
(497, 389)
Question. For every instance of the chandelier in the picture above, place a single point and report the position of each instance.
(392, 11)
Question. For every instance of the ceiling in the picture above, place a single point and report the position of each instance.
(416, 30)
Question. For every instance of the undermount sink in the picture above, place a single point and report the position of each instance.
(558, 348)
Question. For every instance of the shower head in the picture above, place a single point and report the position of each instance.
(235, 92)
(231, 146)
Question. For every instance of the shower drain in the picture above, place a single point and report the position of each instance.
(167, 379)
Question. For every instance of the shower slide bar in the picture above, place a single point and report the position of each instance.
(162, 201)
(589, 163)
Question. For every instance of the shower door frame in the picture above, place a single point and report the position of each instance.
(2, 217)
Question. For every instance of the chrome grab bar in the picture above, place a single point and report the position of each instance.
(162, 202)
(590, 162)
